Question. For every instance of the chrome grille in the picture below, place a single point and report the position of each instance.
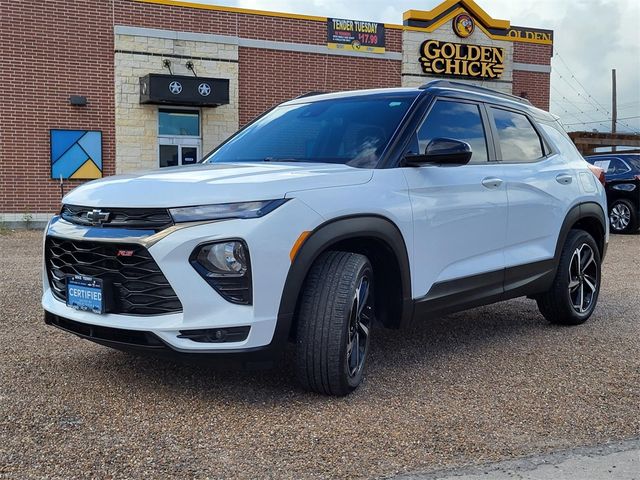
(134, 218)
(134, 284)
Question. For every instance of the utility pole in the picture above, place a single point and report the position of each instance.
(614, 105)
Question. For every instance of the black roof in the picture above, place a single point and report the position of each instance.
(441, 88)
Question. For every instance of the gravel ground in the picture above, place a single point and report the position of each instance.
(485, 385)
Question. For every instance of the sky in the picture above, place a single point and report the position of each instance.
(591, 37)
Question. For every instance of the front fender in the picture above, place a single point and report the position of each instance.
(330, 233)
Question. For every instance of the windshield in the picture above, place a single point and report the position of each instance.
(352, 131)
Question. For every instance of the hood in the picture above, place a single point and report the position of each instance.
(204, 184)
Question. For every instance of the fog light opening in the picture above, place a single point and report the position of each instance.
(216, 335)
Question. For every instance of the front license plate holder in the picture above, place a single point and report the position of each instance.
(85, 293)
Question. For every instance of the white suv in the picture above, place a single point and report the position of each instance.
(326, 215)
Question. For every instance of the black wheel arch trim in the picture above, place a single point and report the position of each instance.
(322, 238)
(583, 211)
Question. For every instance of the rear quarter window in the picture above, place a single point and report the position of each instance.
(562, 142)
(519, 142)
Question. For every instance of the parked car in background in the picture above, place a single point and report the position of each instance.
(622, 173)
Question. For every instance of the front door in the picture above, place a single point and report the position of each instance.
(172, 155)
(460, 212)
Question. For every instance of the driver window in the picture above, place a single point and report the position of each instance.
(456, 120)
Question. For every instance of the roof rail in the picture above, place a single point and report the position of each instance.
(309, 94)
(473, 88)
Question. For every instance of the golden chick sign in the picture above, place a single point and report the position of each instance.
(448, 58)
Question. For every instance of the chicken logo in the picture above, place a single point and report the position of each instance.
(463, 25)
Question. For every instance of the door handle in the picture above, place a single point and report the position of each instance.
(491, 182)
(564, 179)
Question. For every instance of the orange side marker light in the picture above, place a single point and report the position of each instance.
(296, 246)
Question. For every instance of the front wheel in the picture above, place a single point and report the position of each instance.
(574, 293)
(334, 323)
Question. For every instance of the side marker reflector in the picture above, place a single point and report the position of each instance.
(296, 246)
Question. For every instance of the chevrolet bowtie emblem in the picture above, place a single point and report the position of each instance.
(97, 217)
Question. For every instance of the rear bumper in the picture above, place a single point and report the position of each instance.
(137, 341)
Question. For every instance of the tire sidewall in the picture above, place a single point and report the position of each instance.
(352, 382)
(577, 241)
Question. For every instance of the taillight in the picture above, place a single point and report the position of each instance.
(599, 173)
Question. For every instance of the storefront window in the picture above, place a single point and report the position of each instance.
(179, 122)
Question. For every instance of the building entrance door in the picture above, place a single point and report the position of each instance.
(179, 140)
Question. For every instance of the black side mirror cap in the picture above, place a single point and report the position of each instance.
(442, 151)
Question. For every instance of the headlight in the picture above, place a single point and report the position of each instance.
(226, 267)
(223, 259)
(225, 210)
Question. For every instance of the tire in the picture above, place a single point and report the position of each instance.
(328, 331)
(562, 304)
(623, 217)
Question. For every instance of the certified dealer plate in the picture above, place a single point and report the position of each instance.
(85, 293)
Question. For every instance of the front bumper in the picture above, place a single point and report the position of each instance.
(269, 240)
(143, 342)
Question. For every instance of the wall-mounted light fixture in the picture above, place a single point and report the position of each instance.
(78, 101)
(191, 66)
(166, 63)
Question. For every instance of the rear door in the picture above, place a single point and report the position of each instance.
(459, 212)
(540, 187)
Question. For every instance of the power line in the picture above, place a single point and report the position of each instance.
(586, 113)
(573, 77)
(576, 107)
(598, 121)
(573, 115)
(565, 110)
(575, 90)
(595, 103)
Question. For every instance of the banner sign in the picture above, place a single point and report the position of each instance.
(458, 59)
(367, 37)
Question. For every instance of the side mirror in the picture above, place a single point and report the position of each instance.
(442, 151)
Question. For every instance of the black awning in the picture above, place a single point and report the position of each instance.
(183, 90)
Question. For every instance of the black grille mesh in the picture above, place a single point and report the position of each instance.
(142, 218)
(133, 281)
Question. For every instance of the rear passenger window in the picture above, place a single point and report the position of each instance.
(610, 165)
(618, 167)
(456, 120)
(519, 141)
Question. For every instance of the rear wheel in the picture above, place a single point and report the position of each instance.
(623, 217)
(334, 323)
(574, 293)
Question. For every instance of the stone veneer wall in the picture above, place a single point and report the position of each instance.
(413, 76)
(136, 124)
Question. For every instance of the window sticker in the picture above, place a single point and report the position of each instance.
(603, 164)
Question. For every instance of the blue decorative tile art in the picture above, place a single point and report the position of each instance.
(76, 154)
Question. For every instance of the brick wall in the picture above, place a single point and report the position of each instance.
(533, 85)
(268, 77)
(51, 50)
(261, 27)
(56, 48)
